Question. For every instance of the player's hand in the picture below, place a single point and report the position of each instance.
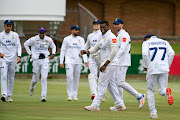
(61, 65)
(52, 56)
(86, 64)
(18, 59)
(145, 69)
(83, 52)
(1, 55)
(102, 68)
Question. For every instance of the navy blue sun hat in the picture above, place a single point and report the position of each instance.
(118, 21)
(76, 27)
(97, 21)
(8, 22)
(42, 30)
(148, 36)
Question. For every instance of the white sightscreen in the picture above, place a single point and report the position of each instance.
(38, 10)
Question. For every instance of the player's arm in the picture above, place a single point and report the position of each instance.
(124, 45)
(170, 53)
(27, 44)
(145, 54)
(53, 47)
(85, 55)
(87, 45)
(1, 55)
(19, 49)
(63, 52)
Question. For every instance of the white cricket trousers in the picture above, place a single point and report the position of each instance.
(40, 66)
(7, 74)
(73, 72)
(106, 79)
(151, 80)
(121, 83)
(94, 68)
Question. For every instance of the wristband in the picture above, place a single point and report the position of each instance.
(105, 64)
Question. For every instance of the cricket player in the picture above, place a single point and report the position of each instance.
(108, 48)
(10, 55)
(157, 56)
(124, 58)
(39, 52)
(70, 49)
(94, 59)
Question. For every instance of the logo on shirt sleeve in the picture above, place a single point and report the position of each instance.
(124, 39)
(114, 40)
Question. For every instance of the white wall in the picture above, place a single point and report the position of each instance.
(41, 10)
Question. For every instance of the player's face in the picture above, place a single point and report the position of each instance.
(96, 26)
(75, 32)
(104, 28)
(42, 35)
(8, 28)
(117, 27)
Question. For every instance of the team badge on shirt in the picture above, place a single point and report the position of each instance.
(79, 40)
(12, 37)
(114, 40)
(104, 39)
(124, 39)
(46, 41)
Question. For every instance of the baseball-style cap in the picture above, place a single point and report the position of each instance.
(76, 27)
(8, 22)
(97, 21)
(118, 21)
(42, 30)
(148, 36)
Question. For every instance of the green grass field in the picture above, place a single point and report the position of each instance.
(57, 107)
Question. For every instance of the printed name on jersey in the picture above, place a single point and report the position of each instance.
(114, 40)
(124, 39)
(74, 43)
(94, 40)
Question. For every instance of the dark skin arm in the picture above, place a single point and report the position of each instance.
(103, 67)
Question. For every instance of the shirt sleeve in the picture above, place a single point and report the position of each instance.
(53, 46)
(87, 45)
(94, 48)
(85, 55)
(27, 44)
(145, 53)
(19, 48)
(63, 50)
(114, 47)
(170, 53)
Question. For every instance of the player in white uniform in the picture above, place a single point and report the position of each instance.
(124, 57)
(10, 48)
(70, 49)
(157, 56)
(94, 59)
(39, 52)
(108, 48)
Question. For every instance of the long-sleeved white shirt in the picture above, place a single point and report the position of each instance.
(39, 45)
(105, 45)
(71, 48)
(124, 45)
(157, 55)
(10, 46)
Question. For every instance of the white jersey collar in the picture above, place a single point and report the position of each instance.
(106, 33)
(96, 32)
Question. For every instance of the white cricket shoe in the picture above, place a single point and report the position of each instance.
(92, 108)
(3, 98)
(69, 98)
(9, 99)
(75, 99)
(31, 90)
(153, 116)
(43, 99)
(142, 101)
(118, 108)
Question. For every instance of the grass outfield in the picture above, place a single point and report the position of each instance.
(57, 107)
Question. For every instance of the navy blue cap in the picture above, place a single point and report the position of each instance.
(42, 30)
(97, 21)
(148, 36)
(118, 21)
(75, 27)
(6, 22)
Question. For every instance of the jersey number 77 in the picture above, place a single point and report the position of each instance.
(155, 51)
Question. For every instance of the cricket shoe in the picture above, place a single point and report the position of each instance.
(141, 101)
(69, 98)
(75, 99)
(118, 108)
(9, 99)
(31, 90)
(153, 116)
(169, 96)
(92, 96)
(43, 99)
(92, 108)
(3, 98)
